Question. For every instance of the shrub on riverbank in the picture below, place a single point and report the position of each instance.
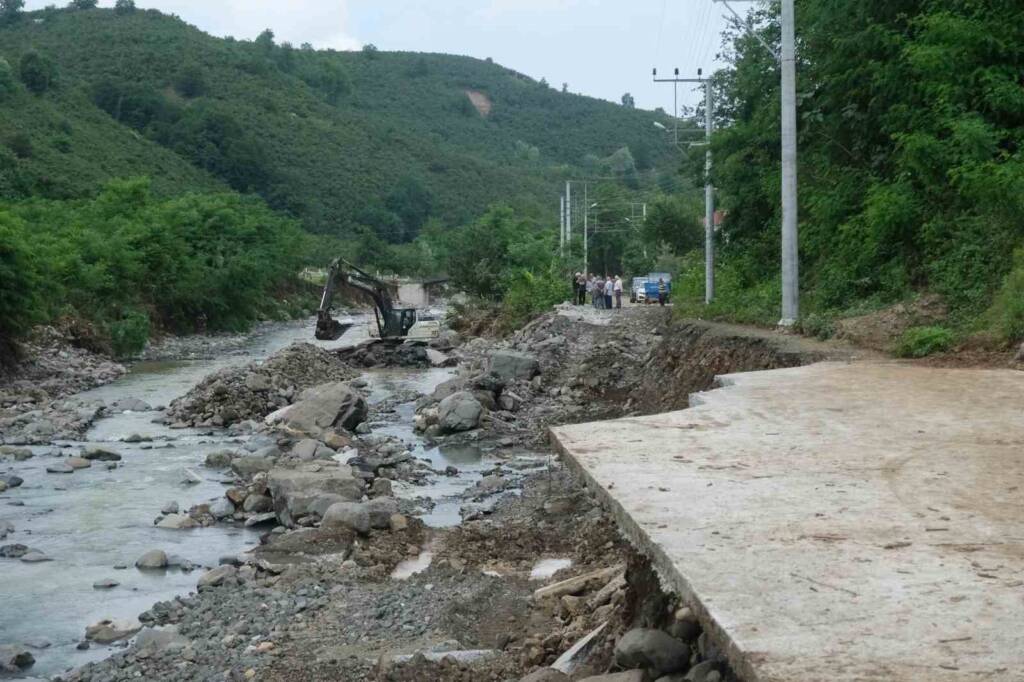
(129, 262)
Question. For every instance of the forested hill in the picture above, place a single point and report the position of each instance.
(340, 140)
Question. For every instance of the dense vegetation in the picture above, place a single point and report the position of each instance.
(911, 124)
(125, 260)
(377, 155)
(339, 140)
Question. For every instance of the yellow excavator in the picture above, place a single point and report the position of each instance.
(392, 322)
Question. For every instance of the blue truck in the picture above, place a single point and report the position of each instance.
(645, 289)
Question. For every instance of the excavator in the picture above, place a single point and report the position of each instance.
(392, 322)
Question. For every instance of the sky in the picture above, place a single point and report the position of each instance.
(601, 48)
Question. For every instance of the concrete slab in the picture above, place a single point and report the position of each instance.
(835, 521)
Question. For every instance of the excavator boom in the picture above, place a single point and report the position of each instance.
(391, 322)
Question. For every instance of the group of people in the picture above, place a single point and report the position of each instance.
(604, 292)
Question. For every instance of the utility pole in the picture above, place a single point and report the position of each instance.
(561, 225)
(790, 230)
(790, 237)
(586, 213)
(568, 212)
(709, 190)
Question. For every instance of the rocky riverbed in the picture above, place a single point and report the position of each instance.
(380, 512)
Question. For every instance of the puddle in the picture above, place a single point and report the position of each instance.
(410, 567)
(545, 568)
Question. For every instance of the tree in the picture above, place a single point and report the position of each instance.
(628, 102)
(10, 10)
(544, 83)
(37, 72)
(124, 6)
(565, 87)
(83, 4)
(19, 286)
(265, 41)
(8, 84)
(370, 51)
(191, 80)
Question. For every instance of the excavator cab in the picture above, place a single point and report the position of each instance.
(392, 322)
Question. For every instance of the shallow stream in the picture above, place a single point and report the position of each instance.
(95, 519)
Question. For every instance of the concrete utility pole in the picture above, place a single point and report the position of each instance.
(568, 212)
(709, 189)
(561, 225)
(790, 230)
(790, 238)
(586, 213)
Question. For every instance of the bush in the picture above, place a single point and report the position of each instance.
(124, 6)
(919, 342)
(8, 84)
(1007, 312)
(128, 335)
(37, 72)
(21, 145)
(19, 284)
(531, 294)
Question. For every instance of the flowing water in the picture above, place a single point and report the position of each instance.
(95, 519)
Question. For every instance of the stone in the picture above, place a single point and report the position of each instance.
(627, 676)
(109, 631)
(190, 477)
(15, 657)
(257, 504)
(546, 675)
(351, 515)
(177, 522)
(398, 523)
(258, 519)
(105, 584)
(513, 366)
(705, 671)
(236, 495)
(169, 508)
(249, 465)
(3, 486)
(151, 560)
(491, 483)
(258, 382)
(101, 455)
(380, 510)
(11, 480)
(59, 468)
(160, 640)
(305, 449)
(137, 438)
(220, 459)
(15, 551)
(439, 359)
(381, 487)
(217, 577)
(79, 462)
(34, 556)
(6, 527)
(460, 411)
(295, 492)
(334, 404)
(16, 453)
(335, 440)
(686, 627)
(653, 649)
(222, 508)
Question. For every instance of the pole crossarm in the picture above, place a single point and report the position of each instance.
(738, 21)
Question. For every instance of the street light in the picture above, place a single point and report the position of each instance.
(659, 126)
(586, 263)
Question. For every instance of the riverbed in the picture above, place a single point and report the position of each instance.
(96, 522)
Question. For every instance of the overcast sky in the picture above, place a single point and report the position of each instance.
(601, 48)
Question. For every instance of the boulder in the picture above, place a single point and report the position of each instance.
(220, 460)
(217, 577)
(222, 508)
(79, 462)
(12, 481)
(350, 515)
(101, 455)
(627, 676)
(439, 359)
(705, 671)
(257, 504)
(381, 487)
(546, 675)
(323, 407)
(59, 468)
(459, 412)
(3, 486)
(15, 657)
(250, 465)
(110, 631)
(492, 483)
(177, 522)
(306, 448)
(15, 453)
(398, 523)
(653, 649)
(295, 492)
(153, 559)
(380, 510)
(169, 508)
(258, 382)
(15, 551)
(105, 584)
(513, 366)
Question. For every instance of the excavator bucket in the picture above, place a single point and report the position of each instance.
(329, 329)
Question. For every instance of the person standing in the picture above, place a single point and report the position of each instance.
(609, 290)
(598, 293)
(581, 288)
(588, 287)
(618, 291)
(662, 291)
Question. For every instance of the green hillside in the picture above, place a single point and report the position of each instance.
(338, 140)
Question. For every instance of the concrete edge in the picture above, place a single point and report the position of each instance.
(671, 580)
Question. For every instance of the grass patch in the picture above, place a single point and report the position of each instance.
(920, 342)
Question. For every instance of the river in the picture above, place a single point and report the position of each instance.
(96, 519)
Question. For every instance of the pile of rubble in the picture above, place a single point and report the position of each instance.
(251, 392)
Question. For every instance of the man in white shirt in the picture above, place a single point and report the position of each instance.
(618, 291)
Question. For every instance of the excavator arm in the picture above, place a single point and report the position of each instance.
(391, 322)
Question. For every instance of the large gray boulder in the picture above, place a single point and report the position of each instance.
(459, 412)
(151, 560)
(296, 493)
(160, 640)
(217, 577)
(251, 465)
(323, 407)
(653, 649)
(109, 631)
(513, 366)
(380, 510)
(350, 515)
